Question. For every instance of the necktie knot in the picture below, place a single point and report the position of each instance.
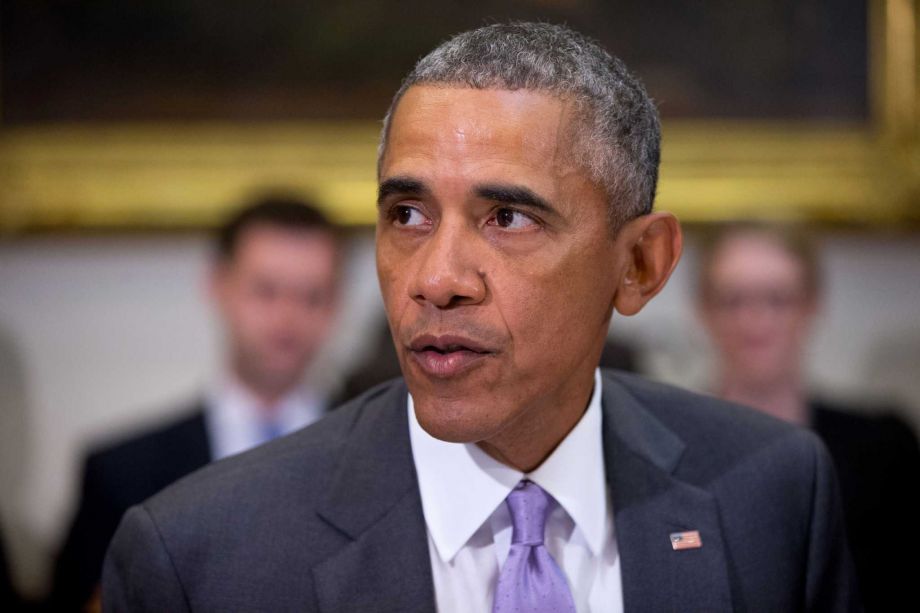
(530, 580)
(529, 505)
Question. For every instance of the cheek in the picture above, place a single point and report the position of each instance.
(394, 272)
(386, 268)
(732, 328)
(549, 307)
(245, 313)
(796, 331)
(312, 325)
(389, 282)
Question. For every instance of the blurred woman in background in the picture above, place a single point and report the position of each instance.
(759, 294)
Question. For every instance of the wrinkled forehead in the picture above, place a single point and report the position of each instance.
(436, 116)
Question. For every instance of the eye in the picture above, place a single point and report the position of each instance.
(409, 216)
(511, 219)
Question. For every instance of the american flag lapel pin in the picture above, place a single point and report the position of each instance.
(686, 540)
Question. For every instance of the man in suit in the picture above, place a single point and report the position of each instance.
(274, 287)
(759, 294)
(505, 472)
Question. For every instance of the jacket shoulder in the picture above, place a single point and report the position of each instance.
(299, 462)
(715, 433)
(253, 517)
(681, 407)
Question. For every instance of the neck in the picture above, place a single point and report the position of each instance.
(266, 396)
(525, 444)
(785, 399)
(268, 401)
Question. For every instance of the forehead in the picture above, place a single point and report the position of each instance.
(263, 242)
(459, 127)
(754, 260)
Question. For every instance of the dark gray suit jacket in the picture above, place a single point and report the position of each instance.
(330, 518)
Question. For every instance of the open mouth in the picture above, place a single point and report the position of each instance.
(447, 356)
(449, 349)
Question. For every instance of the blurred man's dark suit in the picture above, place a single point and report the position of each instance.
(116, 477)
(330, 518)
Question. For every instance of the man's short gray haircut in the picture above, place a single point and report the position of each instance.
(618, 137)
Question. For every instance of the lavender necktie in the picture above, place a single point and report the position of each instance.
(530, 580)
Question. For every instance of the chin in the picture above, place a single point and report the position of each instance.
(455, 422)
(280, 381)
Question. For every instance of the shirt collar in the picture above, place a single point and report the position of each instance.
(235, 418)
(461, 486)
(234, 397)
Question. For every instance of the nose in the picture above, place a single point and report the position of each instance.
(449, 274)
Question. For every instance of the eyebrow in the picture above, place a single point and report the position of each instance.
(514, 194)
(401, 185)
(496, 192)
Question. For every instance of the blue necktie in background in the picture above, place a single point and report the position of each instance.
(270, 430)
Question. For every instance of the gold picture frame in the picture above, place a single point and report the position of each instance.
(175, 176)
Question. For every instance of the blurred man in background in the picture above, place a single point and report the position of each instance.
(274, 286)
(759, 295)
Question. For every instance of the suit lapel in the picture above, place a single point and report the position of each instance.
(374, 501)
(650, 503)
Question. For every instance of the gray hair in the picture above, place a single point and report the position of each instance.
(618, 136)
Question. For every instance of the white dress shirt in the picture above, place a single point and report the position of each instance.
(237, 421)
(463, 494)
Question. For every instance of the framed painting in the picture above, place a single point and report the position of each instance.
(157, 115)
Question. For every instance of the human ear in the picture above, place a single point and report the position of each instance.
(650, 247)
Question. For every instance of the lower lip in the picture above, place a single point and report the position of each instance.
(446, 365)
